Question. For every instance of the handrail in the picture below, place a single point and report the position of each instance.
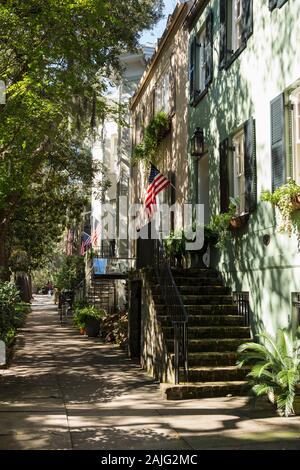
(175, 310)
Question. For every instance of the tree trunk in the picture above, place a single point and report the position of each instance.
(4, 253)
(22, 283)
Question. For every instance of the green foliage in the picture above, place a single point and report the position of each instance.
(287, 199)
(84, 314)
(175, 243)
(114, 328)
(153, 135)
(275, 367)
(70, 273)
(56, 60)
(12, 311)
(220, 223)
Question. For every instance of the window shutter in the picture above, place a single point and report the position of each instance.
(224, 180)
(223, 33)
(193, 47)
(209, 48)
(290, 163)
(250, 166)
(277, 142)
(247, 19)
(272, 4)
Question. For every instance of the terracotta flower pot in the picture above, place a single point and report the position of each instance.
(239, 221)
(82, 331)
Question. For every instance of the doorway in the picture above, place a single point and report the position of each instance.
(203, 186)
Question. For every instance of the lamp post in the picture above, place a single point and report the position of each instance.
(197, 142)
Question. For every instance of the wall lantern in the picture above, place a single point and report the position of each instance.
(197, 142)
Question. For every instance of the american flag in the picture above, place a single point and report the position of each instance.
(96, 235)
(157, 182)
(85, 242)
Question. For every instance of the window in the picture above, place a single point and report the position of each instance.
(238, 169)
(137, 128)
(162, 98)
(238, 155)
(201, 61)
(295, 133)
(237, 26)
(236, 18)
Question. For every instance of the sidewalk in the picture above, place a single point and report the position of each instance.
(66, 391)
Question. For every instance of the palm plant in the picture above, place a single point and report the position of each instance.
(275, 367)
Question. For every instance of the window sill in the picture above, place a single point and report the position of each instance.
(198, 97)
(234, 56)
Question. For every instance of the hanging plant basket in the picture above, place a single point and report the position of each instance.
(239, 221)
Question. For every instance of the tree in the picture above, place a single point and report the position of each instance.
(57, 58)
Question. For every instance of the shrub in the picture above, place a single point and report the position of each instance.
(275, 367)
(12, 311)
(83, 315)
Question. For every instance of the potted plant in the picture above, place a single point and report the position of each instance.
(275, 369)
(175, 247)
(287, 199)
(211, 238)
(89, 318)
(154, 133)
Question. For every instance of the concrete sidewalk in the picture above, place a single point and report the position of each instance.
(66, 391)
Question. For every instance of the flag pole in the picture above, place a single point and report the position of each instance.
(165, 177)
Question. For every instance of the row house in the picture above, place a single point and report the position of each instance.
(227, 74)
(244, 96)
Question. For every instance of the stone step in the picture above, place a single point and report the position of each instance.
(209, 345)
(195, 273)
(196, 290)
(192, 281)
(204, 290)
(215, 320)
(198, 299)
(216, 374)
(207, 320)
(212, 359)
(202, 309)
(205, 390)
(212, 332)
(207, 299)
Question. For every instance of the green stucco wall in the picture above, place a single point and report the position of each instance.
(269, 64)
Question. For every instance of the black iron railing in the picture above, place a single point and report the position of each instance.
(241, 299)
(175, 310)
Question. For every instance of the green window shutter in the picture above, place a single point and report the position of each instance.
(224, 180)
(278, 142)
(290, 162)
(280, 3)
(223, 33)
(209, 48)
(250, 166)
(272, 4)
(192, 71)
(247, 19)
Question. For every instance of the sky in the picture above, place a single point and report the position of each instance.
(157, 31)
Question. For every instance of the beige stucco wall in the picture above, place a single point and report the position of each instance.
(173, 149)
